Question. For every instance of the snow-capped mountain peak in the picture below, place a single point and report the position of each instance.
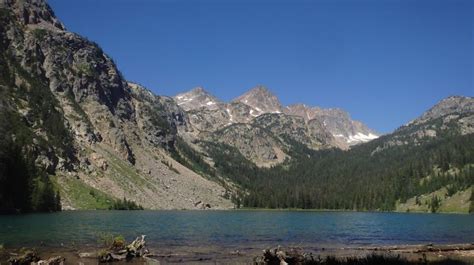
(261, 100)
(197, 98)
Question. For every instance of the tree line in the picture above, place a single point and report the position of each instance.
(358, 179)
(24, 187)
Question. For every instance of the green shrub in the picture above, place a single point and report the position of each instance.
(125, 204)
(40, 34)
(119, 242)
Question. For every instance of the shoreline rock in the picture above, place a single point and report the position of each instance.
(460, 254)
(135, 249)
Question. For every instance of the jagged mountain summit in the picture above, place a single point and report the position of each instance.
(261, 100)
(207, 116)
(449, 105)
(452, 116)
(254, 124)
(197, 98)
(347, 131)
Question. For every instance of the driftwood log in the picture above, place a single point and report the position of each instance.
(52, 261)
(133, 250)
(380, 255)
(28, 257)
(31, 257)
(278, 256)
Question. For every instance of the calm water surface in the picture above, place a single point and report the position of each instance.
(237, 228)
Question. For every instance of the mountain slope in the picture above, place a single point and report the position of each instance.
(87, 126)
(74, 132)
(260, 109)
(346, 131)
(197, 98)
(450, 105)
(412, 169)
(261, 101)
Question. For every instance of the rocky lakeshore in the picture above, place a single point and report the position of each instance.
(137, 252)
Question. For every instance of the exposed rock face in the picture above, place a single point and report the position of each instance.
(259, 109)
(451, 116)
(32, 12)
(158, 118)
(210, 120)
(337, 121)
(253, 142)
(119, 135)
(454, 114)
(261, 101)
(312, 133)
(450, 105)
(197, 98)
(99, 133)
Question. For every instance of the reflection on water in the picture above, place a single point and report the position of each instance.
(238, 228)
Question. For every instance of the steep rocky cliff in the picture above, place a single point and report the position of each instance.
(261, 101)
(338, 122)
(101, 133)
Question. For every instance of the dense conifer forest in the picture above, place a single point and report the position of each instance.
(23, 186)
(358, 179)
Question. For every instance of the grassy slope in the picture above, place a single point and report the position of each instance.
(457, 203)
(82, 196)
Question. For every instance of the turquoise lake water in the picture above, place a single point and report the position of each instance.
(237, 228)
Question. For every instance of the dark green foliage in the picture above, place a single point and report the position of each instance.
(44, 198)
(40, 34)
(471, 208)
(15, 176)
(434, 203)
(23, 186)
(125, 204)
(353, 180)
(190, 158)
(77, 108)
(157, 118)
(44, 110)
(187, 156)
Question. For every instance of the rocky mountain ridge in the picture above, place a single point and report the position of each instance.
(261, 101)
(100, 137)
(347, 132)
(197, 98)
(449, 105)
(451, 116)
(101, 132)
(316, 128)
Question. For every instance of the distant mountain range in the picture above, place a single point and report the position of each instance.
(315, 127)
(74, 132)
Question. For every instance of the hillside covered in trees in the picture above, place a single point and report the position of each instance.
(367, 177)
(74, 132)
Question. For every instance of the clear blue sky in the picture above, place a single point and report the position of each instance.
(384, 61)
